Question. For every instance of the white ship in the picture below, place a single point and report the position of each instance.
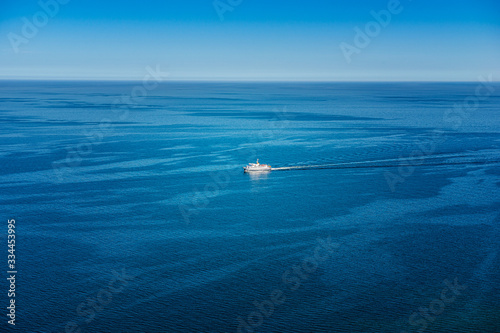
(257, 167)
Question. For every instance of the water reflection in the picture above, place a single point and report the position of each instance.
(258, 175)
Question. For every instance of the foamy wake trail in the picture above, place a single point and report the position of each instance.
(438, 160)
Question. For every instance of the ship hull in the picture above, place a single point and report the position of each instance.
(261, 169)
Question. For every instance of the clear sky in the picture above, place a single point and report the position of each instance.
(251, 39)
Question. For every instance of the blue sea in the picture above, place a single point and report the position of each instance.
(133, 214)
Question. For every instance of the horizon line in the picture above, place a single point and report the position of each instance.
(236, 80)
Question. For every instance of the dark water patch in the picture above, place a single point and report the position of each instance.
(457, 210)
(290, 116)
(436, 251)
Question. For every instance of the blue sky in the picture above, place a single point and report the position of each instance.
(256, 40)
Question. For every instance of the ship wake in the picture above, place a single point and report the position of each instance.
(438, 160)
